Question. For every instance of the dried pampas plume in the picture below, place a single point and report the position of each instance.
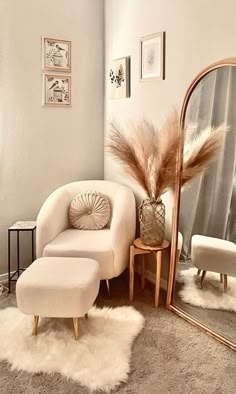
(201, 151)
(149, 155)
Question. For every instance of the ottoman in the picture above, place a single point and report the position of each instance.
(63, 287)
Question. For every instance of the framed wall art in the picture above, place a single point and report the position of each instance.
(56, 54)
(119, 78)
(56, 90)
(152, 57)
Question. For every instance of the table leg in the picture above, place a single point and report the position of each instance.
(131, 274)
(225, 282)
(143, 272)
(32, 246)
(18, 253)
(9, 261)
(158, 277)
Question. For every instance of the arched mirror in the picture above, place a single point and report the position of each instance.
(202, 285)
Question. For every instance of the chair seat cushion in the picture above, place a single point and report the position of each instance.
(82, 243)
(58, 287)
(89, 210)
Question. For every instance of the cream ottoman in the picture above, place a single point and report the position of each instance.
(58, 287)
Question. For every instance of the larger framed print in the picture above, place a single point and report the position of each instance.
(152, 56)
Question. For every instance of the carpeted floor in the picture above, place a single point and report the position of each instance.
(169, 356)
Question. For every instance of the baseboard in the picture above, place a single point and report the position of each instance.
(151, 277)
(148, 274)
(4, 277)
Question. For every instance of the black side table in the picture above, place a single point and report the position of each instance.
(18, 227)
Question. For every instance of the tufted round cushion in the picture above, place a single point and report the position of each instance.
(89, 211)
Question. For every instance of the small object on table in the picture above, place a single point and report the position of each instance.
(18, 227)
(139, 248)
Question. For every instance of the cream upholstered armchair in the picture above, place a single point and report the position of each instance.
(109, 246)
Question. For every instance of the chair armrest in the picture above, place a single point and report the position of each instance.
(52, 219)
(123, 228)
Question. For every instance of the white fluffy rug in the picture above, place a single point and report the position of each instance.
(212, 294)
(100, 359)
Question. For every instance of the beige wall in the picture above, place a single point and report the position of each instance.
(198, 32)
(42, 148)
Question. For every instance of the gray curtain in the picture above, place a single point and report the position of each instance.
(208, 204)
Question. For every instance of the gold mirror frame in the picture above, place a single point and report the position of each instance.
(175, 216)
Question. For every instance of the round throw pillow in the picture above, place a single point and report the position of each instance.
(89, 211)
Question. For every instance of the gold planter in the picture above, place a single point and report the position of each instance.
(152, 221)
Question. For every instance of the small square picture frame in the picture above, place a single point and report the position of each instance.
(56, 54)
(56, 90)
(119, 78)
(152, 57)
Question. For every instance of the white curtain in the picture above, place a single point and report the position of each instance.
(208, 205)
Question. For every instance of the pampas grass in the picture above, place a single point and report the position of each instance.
(201, 151)
(149, 155)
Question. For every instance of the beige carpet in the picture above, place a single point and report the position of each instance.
(169, 356)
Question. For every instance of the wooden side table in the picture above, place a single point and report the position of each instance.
(139, 248)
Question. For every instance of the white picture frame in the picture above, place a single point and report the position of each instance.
(56, 54)
(152, 57)
(119, 78)
(56, 90)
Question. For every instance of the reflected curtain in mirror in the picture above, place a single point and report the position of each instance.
(208, 205)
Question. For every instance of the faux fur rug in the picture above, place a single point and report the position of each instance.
(212, 295)
(100, 359)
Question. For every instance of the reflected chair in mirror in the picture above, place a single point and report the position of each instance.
(215, 255)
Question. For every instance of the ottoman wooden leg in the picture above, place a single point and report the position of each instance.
(108, 287)
(202, 278)
(76, 327)
(86, 315)
(35, 325)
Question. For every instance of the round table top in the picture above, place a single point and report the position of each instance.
(140, 245)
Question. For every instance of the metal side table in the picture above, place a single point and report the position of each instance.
(18, 227)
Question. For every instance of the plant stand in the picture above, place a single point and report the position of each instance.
(138, 248)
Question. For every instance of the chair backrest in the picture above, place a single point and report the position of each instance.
(108, 188)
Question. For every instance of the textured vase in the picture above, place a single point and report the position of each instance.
(152, 221)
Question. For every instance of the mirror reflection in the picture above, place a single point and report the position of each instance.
(205, 284)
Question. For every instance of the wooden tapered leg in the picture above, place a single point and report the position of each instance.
(35, 325)
(177, 256)
(143, 272)
(221, 278)
(86, 315)
(108, 286)
(158, 277)
(131, 274)
(203, 277)
(198, 272)
(225, 282)
(76, 327)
